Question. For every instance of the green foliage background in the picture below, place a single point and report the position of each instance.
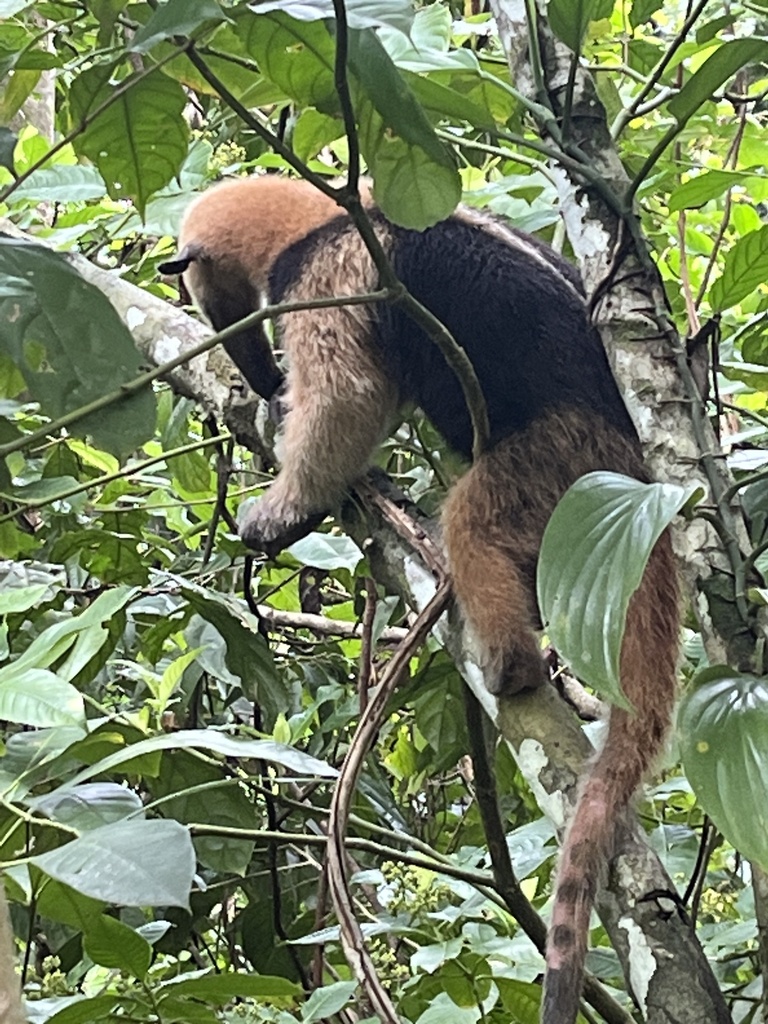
(166, 772)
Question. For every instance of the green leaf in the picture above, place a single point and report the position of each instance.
(106, 13)
(411, 189)
(744, 270)
(37, 697)
(247, 652)
(139, 142)
(643, 10)
(714, 72)
(193, 472)
(569, 19)
(448, 103)
(416, 182)
(218, 743)
(521, 999)
(389, 93)
(221, 988)
(712, 28)
(62, 903)
(22, 598)
(360, 13)
(81, 636)
(702, 188)
(415, 179)
(179, 786)
(132, 863)
(326, 1001)
(723, 724)
(113, 944)
(755, 375)
(593, 555)
(89, 806)
(443, 1010)
(326, 551)
(70, 345)
(429, 958)
(86, 1011)
(313, 131)
(45, 490)
(176, 18)
(296, 55)
(66, 183)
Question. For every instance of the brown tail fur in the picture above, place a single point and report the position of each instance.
(493, 520)
(648, 660)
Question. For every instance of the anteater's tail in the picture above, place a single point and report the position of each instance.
(648, 660)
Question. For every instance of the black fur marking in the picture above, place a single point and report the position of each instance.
(524, 329)
(250, 349)
(260, 532)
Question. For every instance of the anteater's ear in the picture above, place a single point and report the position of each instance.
(181, 263)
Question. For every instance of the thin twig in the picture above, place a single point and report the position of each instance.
(366, 653)
(325, 626)
(352, 938)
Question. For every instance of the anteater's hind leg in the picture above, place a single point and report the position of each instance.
(492, 556)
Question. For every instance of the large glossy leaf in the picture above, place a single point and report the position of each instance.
(389, 93)
(746, 267)
(89, 806)
(360, 13)
(139, 142)
(247, 652)
(522, 999)
(714, 72)
(296, 55)
(593, 555)
(217, 743)
(416, 182)
(132, 863)
(415, 178)
(723, 729)
(74, 642)
(62, 903)
(408, 185)
(70, 345)
(19, 599)
(446, 102)
(37, 697)
(65, 183)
